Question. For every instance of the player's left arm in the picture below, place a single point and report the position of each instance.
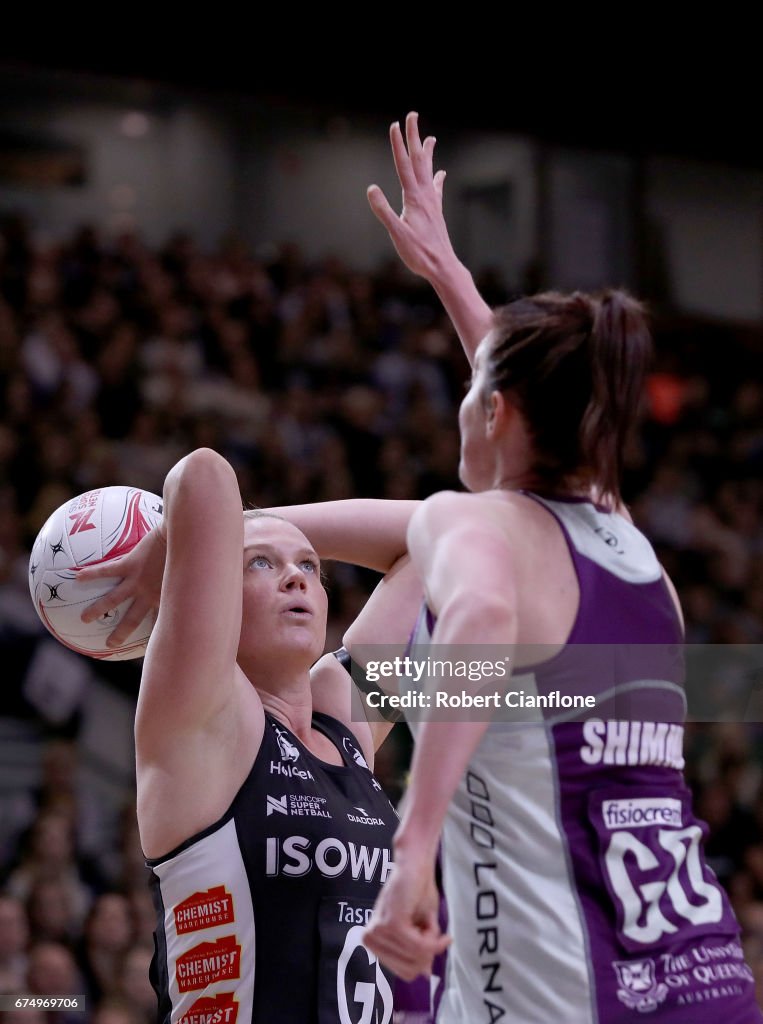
(464, 555)
(363, 531)
(382, 628)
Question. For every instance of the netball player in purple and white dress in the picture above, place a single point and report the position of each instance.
(574, 872)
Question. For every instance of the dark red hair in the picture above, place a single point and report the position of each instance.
(574, 366)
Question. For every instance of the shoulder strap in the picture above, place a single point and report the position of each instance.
(357, 673)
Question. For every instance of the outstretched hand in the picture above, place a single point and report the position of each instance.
(141, 571)
(419, 233)
(404, 931)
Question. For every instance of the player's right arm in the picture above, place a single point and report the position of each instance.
(421, 238)
(199, 722)
(189, 671)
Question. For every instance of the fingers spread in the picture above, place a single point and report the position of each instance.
(381, 208)
(428, 148)
(400, 155)
(439, 182)
(415, 149)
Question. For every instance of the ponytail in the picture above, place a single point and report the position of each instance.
(619, 350)
(574, 366)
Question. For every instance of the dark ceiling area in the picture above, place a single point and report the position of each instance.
(650, 110)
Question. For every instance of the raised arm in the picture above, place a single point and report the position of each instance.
(188, 674)
(363, 531)
(199, 722)
(421, 238)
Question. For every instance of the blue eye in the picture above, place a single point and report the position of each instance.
(260, 562)
(309, 565)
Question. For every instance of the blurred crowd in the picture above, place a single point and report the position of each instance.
(74, 923)
(316, 381)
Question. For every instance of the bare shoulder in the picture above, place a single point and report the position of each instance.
(510, 510)
(451, 509)
(497, 520)
(462, 501)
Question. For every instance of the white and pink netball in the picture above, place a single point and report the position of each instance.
(90, 529)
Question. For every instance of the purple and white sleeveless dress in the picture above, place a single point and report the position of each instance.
(574, 873)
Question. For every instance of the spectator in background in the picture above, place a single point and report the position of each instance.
(14, 937)
(53, 972)
(134, 986)
(142, 912)
(27, 1016)
(115, 1011)
(52, 912)
(50, 856)
(108, 935)
(140, 319)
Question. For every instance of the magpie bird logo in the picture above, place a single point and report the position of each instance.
(288, 751)
(356, 755)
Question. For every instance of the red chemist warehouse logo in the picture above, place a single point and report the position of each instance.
(204, 910)
(222, 1009)
(208, 963)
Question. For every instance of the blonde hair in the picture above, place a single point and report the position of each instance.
(259, 513)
